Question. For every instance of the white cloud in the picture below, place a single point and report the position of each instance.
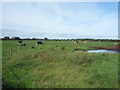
(84, 19)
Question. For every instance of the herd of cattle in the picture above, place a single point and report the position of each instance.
(39, 42)
(78, 42)
(20, 42)
(23, 44)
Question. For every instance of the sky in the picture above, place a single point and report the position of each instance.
(62, 20)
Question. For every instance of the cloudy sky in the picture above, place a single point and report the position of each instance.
(60, 19)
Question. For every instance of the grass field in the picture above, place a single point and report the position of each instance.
(47, 66)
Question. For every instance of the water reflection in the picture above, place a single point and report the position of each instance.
(103, 51)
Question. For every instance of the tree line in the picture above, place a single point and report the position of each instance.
(85, 39)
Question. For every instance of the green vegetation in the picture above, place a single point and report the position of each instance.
(48, 66)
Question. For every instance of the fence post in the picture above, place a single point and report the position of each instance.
(10, 52)
(18, 50)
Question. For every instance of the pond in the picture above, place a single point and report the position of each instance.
(103, 51)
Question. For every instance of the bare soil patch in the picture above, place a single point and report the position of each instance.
(116, 47)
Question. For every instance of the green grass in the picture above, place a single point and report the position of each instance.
(47, 66)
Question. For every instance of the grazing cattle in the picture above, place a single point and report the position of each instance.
(19, 42)
(32, 47)
(76, 42)
(39, 42)
(23, 44)
(84, 42)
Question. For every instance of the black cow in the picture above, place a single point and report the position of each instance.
(23, 44)
(19, 42)
(39, 42)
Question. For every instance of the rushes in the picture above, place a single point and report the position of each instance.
(85, 58)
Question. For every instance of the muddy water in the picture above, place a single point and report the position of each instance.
(102, 51)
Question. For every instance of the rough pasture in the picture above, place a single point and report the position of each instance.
(49, 66)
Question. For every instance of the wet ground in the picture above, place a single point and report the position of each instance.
(103, 51)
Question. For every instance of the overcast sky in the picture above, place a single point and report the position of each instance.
(60, 19)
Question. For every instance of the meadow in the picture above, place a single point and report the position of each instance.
(48, 66)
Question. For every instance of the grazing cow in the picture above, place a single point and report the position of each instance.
(76, 42)
(39, 42)
(23, 44)
(19, 42)
(32, 47)
(84, 42)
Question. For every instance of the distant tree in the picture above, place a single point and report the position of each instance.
(26, 39)
(33, 38)
(6, 38)
(46, 38)
(15, 38)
